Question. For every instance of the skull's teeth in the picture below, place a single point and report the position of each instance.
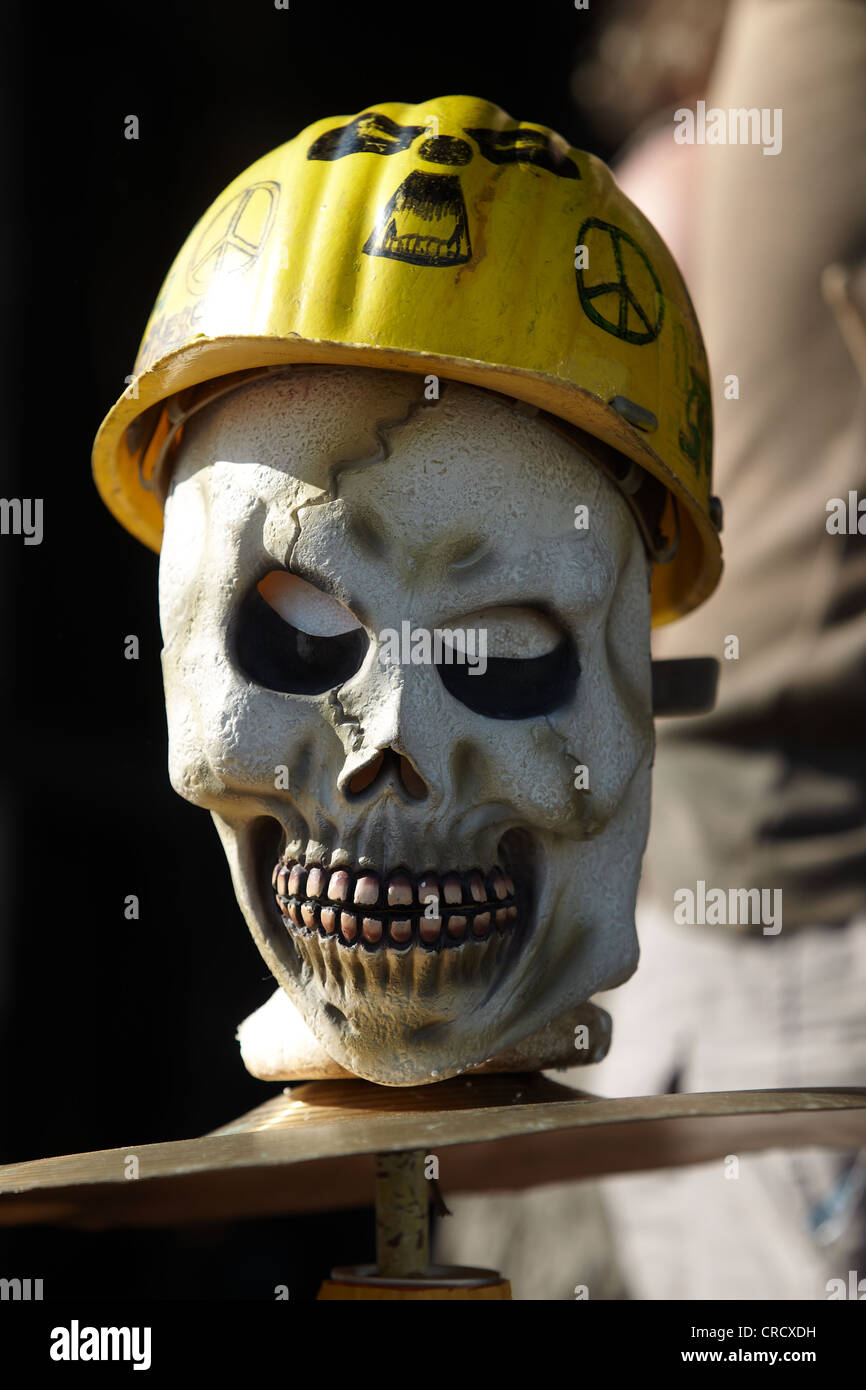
(399, 891)
(340, 886)
(358, 906)
(366, 889)
(328, 919)
(452, 890)
(316, 880)
(349, 925)
(371, 930)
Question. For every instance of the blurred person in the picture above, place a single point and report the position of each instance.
(769, 791)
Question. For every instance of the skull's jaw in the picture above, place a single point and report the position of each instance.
(397, 1013)
(277, 1045)
(410, 945)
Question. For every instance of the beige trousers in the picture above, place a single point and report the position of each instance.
(716, 1012)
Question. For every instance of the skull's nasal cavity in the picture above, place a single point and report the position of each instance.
(385, 766)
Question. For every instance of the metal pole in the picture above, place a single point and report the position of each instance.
(402, 1216)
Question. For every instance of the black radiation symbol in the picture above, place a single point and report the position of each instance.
(624, 296)
(233, 239)
(425, 221)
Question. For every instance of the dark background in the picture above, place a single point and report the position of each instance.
(117, 1032)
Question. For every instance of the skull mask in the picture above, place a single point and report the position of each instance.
(457, 842)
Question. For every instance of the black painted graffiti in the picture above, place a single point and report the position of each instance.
(369, 133)
(695, 438)
(423, 223)
(624, 297)
(234, 237)
(445, 149)
(523, 146)
(373, 133)
(168, 331)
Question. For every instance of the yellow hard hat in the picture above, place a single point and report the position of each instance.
(444, 238)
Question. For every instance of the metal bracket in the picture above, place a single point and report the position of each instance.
(685, 685)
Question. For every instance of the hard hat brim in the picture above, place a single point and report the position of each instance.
(677, 588)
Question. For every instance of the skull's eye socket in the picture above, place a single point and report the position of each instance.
(510, 663)
(292, 637)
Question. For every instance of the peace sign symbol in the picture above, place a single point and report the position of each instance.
(234, 237)
(624, 297)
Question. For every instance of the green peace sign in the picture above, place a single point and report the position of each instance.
(234, 236)
(629, 303)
